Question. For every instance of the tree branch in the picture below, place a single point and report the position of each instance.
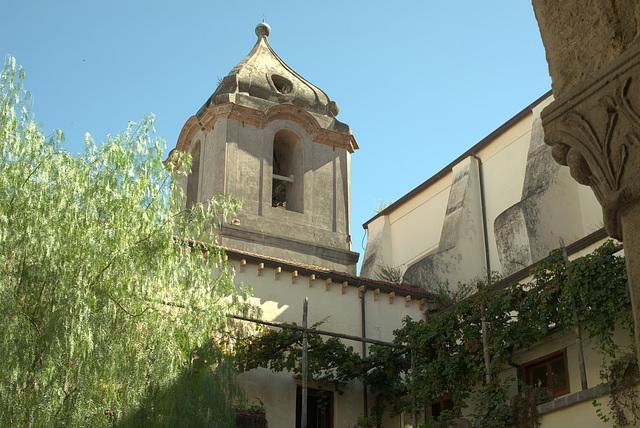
(126, 311)
(31, 174)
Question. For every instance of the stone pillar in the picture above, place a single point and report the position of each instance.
(631, 229)
(593, 51)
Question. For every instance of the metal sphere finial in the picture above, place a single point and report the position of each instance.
(263, 29)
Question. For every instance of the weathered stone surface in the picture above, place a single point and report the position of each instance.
(582, 36)
(631, 229)
(594, 126)
(376, 253)
(270, 138)
(263, 80)
(512, 240)
(460, 255)
(595, 130)
(528, 230)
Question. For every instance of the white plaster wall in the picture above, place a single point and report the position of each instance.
(282, 301)
(415, 228)
(376, 254)
(503, 169)
(579, 415)
(416, 225)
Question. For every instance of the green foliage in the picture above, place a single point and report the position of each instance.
(448, 347)
(448, 354)
(330, 362)
(493, 407)
(104, 312)
(381, 206)
(257, 408)
(390, 274)
(446, 296)
(203, 394)
(524, 406)
(278, 350)
(519, 316)
(251, 416)
(365, 422)
(624, 404)
(384, 372)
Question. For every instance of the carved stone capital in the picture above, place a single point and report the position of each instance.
(595, 129)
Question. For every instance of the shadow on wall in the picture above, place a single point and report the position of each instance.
(547, 211)
(460, 255)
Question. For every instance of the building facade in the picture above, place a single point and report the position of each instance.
(502, 205)
(270, 138)
(496, 211)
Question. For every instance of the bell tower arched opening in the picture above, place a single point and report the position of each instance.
(287, 189)
(194, 176)
(271, 138)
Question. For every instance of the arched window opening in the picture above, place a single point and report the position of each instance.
(194, 176)
(288, 172)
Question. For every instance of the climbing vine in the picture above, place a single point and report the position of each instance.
(447, 348)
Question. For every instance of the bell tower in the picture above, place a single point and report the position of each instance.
(271, 138)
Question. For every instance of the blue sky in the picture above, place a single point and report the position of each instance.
(419, 82)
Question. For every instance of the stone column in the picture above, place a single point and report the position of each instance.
(631, 228)
(593, 51)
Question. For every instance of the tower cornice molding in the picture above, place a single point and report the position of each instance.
(259, 119)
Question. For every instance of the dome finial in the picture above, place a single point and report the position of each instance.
(263, 29)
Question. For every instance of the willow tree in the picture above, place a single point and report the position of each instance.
(105, 300)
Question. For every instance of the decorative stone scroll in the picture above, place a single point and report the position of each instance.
(595, 129)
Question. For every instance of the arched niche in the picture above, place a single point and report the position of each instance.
(194, 176)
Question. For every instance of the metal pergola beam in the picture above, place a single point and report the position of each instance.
(322, 332)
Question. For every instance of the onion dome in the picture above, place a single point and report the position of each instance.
(262, 80)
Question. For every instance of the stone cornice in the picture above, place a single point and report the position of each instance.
(260, 119)
(338, 255)
(595, 130)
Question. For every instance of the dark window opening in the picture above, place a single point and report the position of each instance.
(280, 179)
(549, 372)
(438, 408)
(319, 408)
(194, 176)
(287, 178)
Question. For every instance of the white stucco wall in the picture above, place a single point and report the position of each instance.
(282, 301)
(520, 179)
(414, 230)
(503, 169)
